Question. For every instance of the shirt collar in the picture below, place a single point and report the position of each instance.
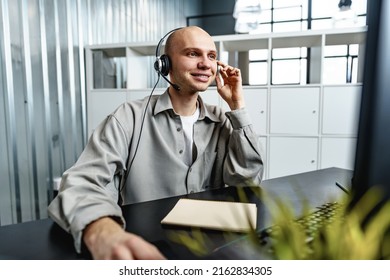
(164, 104)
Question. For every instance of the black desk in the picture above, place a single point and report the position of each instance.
(43, 239)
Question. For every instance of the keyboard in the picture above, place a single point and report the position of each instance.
(311, 224)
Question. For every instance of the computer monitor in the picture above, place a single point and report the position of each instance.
(372, 161)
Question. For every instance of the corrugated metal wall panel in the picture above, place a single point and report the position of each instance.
(42, 85)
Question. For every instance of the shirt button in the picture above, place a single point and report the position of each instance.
(178, 129)
(181, 151)
(191, 191)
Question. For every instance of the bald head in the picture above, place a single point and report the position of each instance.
(186, 35)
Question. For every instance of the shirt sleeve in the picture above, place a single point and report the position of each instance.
(89, 189)
(243, 163)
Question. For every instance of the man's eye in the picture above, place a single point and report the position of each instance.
(193, 54)
(212, 56)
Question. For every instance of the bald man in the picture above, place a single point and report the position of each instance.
(187, 146)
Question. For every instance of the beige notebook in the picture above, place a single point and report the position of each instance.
(218, 215)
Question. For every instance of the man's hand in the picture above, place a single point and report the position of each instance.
(106, 240)
(231, 88)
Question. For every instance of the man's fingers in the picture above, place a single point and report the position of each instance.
(144, 250)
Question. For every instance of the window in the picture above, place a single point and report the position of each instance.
(290, 65)
(340, 64)
(323, 13)
(258, 67)
(282, 16)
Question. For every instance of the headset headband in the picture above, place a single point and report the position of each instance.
(162, 40)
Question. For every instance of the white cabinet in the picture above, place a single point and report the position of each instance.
(101, 104)
(256, 103)
(141, 94)
(294, 110)
(341, 109)
(291, 155)
(338, 152)
(137, 94)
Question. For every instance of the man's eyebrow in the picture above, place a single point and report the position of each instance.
(199, 49)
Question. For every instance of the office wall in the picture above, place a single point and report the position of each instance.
(42, 85)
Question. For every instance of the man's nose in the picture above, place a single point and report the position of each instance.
(204, 62)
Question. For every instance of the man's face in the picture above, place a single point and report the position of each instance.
(194, 61)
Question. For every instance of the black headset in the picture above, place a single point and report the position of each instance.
(163, 64)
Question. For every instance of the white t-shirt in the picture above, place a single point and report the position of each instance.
(188, 129)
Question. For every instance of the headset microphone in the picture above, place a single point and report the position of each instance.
(176, 87)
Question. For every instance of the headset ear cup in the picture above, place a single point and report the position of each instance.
(165, 65)
(157, 65)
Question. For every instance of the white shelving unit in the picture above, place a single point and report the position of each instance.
(301, 127)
